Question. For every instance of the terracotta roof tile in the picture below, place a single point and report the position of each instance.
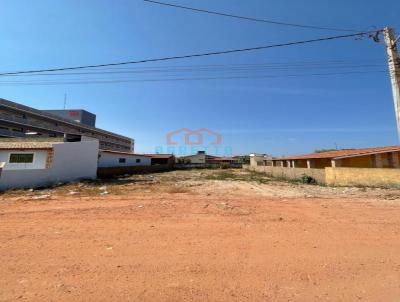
(342, 153)
(26, 145)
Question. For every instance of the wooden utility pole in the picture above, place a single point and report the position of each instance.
(394, 69)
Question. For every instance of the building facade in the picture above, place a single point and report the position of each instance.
(113, 159)
(201, 159)
(378, 166)
(21, 121)
(376, 157)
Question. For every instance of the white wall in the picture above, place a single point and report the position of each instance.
(111, 159)
(39, 159)
(76, 160)
(71, 161)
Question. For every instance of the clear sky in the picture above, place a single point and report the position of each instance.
(281, 115)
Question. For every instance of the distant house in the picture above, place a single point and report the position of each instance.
(113, 159)
(201, 159)
(260, 159)
(377, 157)
(378, 166)
(33, 163)
(195, 159)
(113, 163)
(162, 159)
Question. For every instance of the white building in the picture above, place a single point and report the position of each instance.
(114, 159)
(259, 159)
(27, 164)
(196, 159)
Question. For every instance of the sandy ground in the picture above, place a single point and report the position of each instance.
(200, 236)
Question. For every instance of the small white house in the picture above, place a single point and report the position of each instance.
(27, 164)
(114, 159)
(198, 159)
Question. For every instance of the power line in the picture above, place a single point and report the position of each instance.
(202, 69)
(361, 34)
(114, 81)
(249, 18)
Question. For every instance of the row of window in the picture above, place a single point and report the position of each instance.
(123, 160)
(119, 143)
(27, 158)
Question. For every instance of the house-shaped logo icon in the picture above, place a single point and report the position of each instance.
(194, 137)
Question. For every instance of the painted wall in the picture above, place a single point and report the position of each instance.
(71, 161)
(357, 162)
(113, 171)
(371, 177)
(321, 163)
(39, 159)
(375, 177)
(110, 160)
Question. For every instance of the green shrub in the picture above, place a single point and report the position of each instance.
(306, 179)
(225, 165)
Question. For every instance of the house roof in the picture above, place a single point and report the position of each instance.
(123, 153)
(222, 159)
(342, 153)
(26, 145)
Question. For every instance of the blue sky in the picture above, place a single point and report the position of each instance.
(283, 115)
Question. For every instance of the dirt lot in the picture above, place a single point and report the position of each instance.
(200, 236)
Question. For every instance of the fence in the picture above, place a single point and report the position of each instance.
(109, 172)
(207, 166)
(372, 177)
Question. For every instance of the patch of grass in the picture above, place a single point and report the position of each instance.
(249, 176)
(306, 179)
(221, 175)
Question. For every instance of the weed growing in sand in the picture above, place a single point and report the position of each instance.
(249, 176)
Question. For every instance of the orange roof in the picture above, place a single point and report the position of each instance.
(342, 153)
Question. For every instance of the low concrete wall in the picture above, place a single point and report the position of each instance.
(290, 173)
(114, 171)
(206, 166)
(372, 177)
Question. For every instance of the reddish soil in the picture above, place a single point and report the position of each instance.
(177, 245)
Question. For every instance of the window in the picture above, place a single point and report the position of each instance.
(138, 160)
(122, 160)
(21, 158)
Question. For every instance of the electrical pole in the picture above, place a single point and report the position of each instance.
(65, 101)
(394, 69)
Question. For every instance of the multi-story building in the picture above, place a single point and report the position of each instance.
(17, 120)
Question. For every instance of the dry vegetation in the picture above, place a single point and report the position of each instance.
(200, 235)
(196, 181)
